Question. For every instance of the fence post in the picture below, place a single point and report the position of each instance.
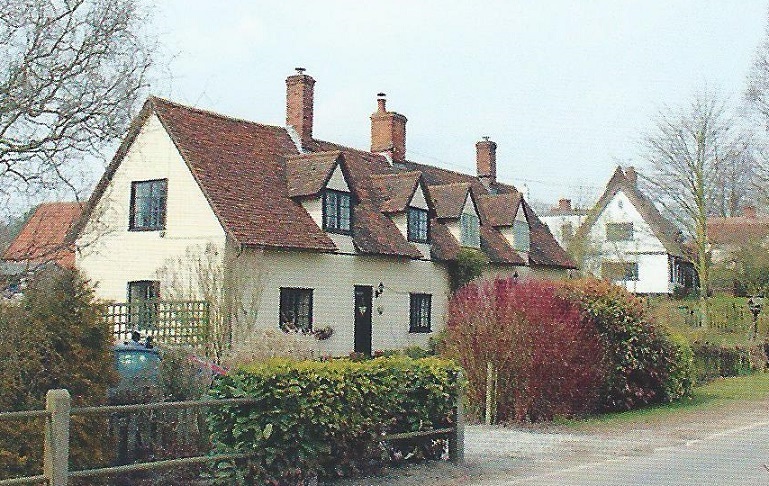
(457, 440)
(56, 446)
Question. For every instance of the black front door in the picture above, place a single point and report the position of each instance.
(363, 319)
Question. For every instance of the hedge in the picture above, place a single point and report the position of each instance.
(545, 355)
(325, 418)
(644, 365)
(714, 360)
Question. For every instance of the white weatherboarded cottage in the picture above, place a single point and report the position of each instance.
(625, 239)
(315, 234)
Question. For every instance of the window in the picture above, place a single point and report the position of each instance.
(148, 205)
(142, 290)
(295, 309)
(420, 313)
(337, 212)
(521, 236)
(619, 271)
(142, 305)
(418, 225)
(470, 230)
(619, 231)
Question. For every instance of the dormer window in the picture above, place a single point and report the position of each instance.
(521, 236)
(418, 225)
(337, 212)
(470, 230)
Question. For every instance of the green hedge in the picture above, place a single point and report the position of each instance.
(715, 360)
(324, 418)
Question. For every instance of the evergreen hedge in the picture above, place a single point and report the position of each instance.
(326, 418)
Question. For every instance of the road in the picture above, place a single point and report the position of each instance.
(723, 446)
(732, 457)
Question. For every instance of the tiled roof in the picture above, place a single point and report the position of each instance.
(449, 199)
(737, 229)
(664, 230)
(395, 190)
(307, 174)
(545, 251)
(499, 209)
(43, 237)
(252, 175)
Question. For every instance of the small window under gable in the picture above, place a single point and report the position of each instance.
(337, 204)
(470, 225)
(418, 225)
(521, 231)
(619, 231)
(471, 230)
(337, 212)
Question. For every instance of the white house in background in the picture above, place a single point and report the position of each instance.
(564, 221)
(625, 239)
(319, 234)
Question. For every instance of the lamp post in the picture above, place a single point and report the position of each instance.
(754, 304)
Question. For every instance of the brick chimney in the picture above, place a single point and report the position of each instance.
(299, 101)
(631, 176)
(388, 131)
(486, 161)
(564, 205)
(749, 212)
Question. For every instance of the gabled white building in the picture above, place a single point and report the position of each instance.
(625, 239)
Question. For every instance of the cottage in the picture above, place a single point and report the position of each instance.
(316, 234)
(625, 239)
(563, 221)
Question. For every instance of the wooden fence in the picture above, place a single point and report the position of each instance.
(58, 411)
(168, 322)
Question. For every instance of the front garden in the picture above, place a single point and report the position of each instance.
(530, 351)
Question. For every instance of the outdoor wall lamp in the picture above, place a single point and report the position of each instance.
(379, 290)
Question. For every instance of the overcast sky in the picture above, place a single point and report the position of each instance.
(566, 89)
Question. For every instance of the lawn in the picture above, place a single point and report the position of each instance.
(718, 393)
(731, 322)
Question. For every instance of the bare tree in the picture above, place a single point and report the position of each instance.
(71, 74)
(691, 151)
(757, 93)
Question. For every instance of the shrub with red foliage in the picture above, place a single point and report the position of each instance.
(547, 356)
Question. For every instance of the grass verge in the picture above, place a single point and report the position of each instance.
(721, 392)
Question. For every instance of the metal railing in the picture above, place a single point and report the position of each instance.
(58, 410)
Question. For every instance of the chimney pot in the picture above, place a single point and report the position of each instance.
(486, 161)
(381, 103)
(300, 93)
(631, 175)
(388, 131)
(564, 204)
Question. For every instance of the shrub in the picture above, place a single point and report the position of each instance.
(546, 356)
(326, 417)
(714, 360)
(53, 338)
(468, 266)
(643, 364)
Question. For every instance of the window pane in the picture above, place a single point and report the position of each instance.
(148, 206)
(420, 313)
(337, 208)
(470, 230)
(521, 236)
(417, 225)
(619, 231)
(295, 312)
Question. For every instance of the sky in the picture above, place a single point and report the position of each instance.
(566, 89)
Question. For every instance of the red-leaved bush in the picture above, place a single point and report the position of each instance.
(547, 358)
